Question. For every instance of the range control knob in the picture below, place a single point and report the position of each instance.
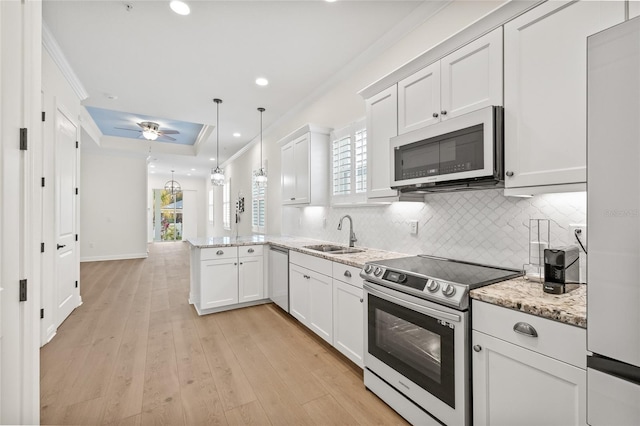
(433, 286)
(448, 290)
(368, 269)
(377, 272)
(402, 278)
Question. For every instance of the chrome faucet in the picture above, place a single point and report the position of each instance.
(352, 235)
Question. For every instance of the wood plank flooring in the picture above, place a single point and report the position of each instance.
(136, 353)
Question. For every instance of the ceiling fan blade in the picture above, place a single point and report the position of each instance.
(167, 137)
(131, 130)
(168, 132)
(140, 124)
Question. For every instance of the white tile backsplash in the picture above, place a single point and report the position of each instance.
(480, 226)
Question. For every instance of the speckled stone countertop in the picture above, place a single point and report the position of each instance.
(298, 244)
(527, 296)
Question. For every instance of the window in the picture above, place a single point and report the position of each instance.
(226, 205)
(211, 205)
(258, 206)
(349, 163)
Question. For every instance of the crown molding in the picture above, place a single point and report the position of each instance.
(53, 48)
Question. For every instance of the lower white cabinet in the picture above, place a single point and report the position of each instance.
(516, 380)
(348, 321)
(251, 276)
(219, 281)
(311, 294)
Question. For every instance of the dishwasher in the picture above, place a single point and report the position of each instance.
(279, 276)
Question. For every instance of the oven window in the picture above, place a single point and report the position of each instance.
(416, 345)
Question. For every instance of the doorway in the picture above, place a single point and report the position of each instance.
(167, 215)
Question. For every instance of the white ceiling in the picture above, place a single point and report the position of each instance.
(160, 64)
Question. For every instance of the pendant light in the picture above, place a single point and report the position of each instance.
(172, 186)
(261, 173)
(217, 174)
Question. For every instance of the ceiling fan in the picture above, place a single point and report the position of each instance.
(151, 131)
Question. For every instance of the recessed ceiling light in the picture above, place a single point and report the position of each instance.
(212, 159)
(330, 1)
(236, 135)
(152, 165)
(110, 96)
(152, 171)
(192, 169)
(188, 174)
(261, 81)
(179, 7)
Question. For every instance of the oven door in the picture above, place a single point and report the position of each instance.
(420, 349)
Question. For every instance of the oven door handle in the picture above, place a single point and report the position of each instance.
(413, 306)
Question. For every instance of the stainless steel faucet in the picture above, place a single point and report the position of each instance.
(352, 235)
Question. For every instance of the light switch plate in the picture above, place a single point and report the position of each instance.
(413, 227)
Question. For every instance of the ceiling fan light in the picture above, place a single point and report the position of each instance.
(217, 177)
(150, 134)
(179, 7)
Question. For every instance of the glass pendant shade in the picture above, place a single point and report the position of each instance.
(217, 177)
(217, 174)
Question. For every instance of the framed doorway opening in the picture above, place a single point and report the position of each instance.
(167, 215)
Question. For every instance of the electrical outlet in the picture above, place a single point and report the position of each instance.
(413, 227)
(580, 230)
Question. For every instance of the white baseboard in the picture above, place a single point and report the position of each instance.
(115, 257)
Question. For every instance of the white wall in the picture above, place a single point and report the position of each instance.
(191, 184)
(113, 194)
(341, 105)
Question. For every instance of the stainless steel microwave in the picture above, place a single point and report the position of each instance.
(464, 152)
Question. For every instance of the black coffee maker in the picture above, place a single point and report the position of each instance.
(561, 267)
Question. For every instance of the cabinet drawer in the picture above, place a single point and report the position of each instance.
(244, 251)
(218, 253)
(317, 264)
(557, 340)
(347, 274)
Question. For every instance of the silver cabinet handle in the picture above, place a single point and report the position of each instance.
(219, 252)
(509, 173)
(361, 300)
(347, 274)
(443, 112)
(435, 115)
(292, 198)
(241, 263)
(477, 348)
(235, 264)
(250, 250)
(526, 329)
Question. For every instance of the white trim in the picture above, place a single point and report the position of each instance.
(89, 126)
(115, 257)
(53, 48)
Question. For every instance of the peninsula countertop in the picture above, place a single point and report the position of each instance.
(298, 244)
(527, 296)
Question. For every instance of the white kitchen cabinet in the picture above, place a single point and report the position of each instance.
(250, 274)
(524, 380)
(305, 166)
(634, 8)
(545, 56)
(218, 278)
(382, 124)
(311, 293)
(348, 312)
(466, 80)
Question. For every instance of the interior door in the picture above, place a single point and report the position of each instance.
(67, 292)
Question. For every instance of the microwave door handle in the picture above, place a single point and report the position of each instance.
(445, 316)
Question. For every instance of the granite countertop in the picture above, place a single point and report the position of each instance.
(298, 244)
(527, 296)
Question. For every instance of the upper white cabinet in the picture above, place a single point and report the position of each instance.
(545, 65)
(382, 124)
(634, 8)
(305, 167)
(466, 80)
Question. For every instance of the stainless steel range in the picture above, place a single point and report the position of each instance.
(418, 334)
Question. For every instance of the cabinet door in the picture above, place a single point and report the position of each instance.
(516, 386)
(299, 293)
(472, 76)
(250, 278)
(287, 173)
(545, 61)
(321, 305)
(301, 164)
(419, 99)
(218, 283)
(382, 124)
(348, 321)
(634, 8)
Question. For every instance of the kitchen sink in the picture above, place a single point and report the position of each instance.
(333, 249)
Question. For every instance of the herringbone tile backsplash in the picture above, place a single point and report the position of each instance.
(479, 226)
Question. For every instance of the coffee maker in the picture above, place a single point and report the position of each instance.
(561, 267)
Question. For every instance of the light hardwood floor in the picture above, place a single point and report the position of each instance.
(137, 353)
